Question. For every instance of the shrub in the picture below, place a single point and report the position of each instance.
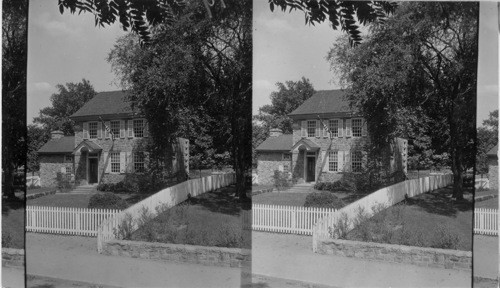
(107, 201)
(323, 200)
(340, 228)
(319, 185)
(281, 180)
(6, 240)
(125, 228)
(446, 238)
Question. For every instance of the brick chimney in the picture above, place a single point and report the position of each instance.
(275, 132)
(57, 134)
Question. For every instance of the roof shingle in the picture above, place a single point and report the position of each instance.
(105, 103)
(276, 143)
(325, 101)
(64, 144)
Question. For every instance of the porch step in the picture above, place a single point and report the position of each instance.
(84, 189)
(301, 188)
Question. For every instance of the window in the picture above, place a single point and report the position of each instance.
(115, 162)
(357, 127)
(138, 128)
(139, 162)
(333, 161)
(68, 172)
(286, 168)
(334, 127)
(68, 158)
(356, 161)
(115, 128)
(93, 130)
(287, 157)
(311, 128)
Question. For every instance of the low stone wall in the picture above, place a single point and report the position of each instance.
(41, 194)
(268, 190)
(430, 257)
(484, 197)
(12, 257)
(211, 256)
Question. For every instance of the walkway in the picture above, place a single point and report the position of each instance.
(75, 258)
(486, 256)
(291, 257)
(12, 277)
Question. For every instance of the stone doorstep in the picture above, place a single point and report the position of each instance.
(433, 257)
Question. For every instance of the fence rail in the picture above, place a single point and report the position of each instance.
(486, 221)
(66, 220)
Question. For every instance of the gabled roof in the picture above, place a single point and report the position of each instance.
(308, 144)
(89, 145)
(325, 101)
(105, 103)
(276, 143)
(493, 151)
(62, 145)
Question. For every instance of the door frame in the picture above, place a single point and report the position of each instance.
(94, 156)
(305, 164)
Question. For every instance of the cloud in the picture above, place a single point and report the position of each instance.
(41, 86)
(262, 84)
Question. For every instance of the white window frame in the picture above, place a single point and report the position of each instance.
(68, 172)
(68, 158)
(90, 129)
(354, 127)
(138, 130)
(114, 161)
(135, 162)
(333, 161)
(286, 157)
(356, 164)
(334, 131)
(308, 126)
(117, 124)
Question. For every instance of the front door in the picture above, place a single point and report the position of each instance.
(93, 164)
(311, 169)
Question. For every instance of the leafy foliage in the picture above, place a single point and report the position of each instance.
(487, 137)
(281, 180)
(106, 201)
(415, 78)
(66, 102)
(323, 200)
(37, 137)
(340, 14)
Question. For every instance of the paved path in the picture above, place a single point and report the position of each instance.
(12, 277)
(291, 257)
(69, 257)
(486, 256)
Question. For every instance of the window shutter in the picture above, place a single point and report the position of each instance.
(106, 132)
(365, 159)
(146, 160)
(340, 161)
(347, 161)
(324, 158)
(130, 126)
(340, 128)
(364, 130)
(63, 170)
(318, 131)
(99, 130)
(85, 130)
(303, 129)
(122, 128)
(107, 165)
(348, 132)
(146, 128)
(122, 162)
(129, 162)
(325, 132)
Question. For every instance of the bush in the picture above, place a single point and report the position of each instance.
(319, 185)
(107, 201)
(6, 240)
(336, 186)
(323, 200)
(281, 180)
(446, 238)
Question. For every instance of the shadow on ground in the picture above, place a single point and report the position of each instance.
(221, 201)
(440, 202)
(11, 204)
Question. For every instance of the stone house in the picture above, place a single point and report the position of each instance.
(328, 139)
(493, 167)
(109, 144)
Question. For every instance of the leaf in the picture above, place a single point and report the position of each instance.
(61, 8)
(271, 6)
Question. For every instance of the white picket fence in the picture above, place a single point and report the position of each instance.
(66, 220)
(486, 221)
(287, 219)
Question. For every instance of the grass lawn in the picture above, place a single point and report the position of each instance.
(13, 223)
(428, 220)
(486, 192)
(211, 219)
(61, 200)
(261, 187)
(30, 191)
(280, 198)
(490, 204)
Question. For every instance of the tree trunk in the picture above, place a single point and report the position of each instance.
(8, 187)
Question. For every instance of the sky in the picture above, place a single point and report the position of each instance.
(286, 49)
(66, 48)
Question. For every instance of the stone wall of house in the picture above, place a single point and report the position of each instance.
(298, 166)
(212, 256)
(50, 165)
(268, 162)
(127, 145)
(429, 257)
(339, 143)
(493, 172)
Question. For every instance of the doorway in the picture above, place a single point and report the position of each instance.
(93, 165)
(310, 169)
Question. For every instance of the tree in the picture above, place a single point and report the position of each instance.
(37, 136)
(341, 14)
(14, 63)
(290, 96)
(195, 67)
(487, 137)
(66, 102)
(416, 76)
